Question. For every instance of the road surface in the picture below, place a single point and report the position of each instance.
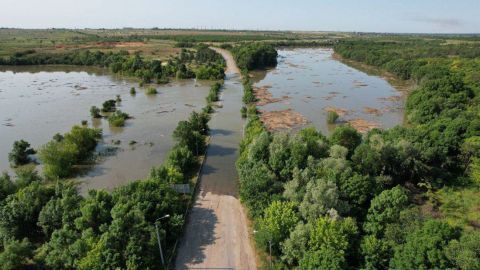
(217, 235)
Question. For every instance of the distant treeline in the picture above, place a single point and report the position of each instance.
(210, 65)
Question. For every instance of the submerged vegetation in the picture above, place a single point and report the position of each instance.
(61, 154)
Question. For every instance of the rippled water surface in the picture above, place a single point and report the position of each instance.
(311, 81)
(37, 102)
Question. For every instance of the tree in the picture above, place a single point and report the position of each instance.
(385, 208)
(109, 106)
(182, 158)
(320, 197)
(26, 175)
(425, 247)
(323, 259)
(346, 136)
(7, 187)
(465, 252)
(16, 254)
(277, 221)
(20, 153)
(59, 158)
(19, 211)
(257, 185)
(61, 210)
(296, 245)
(376, 252)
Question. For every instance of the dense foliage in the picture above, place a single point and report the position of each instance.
(209, 65)
(351, 201)
(255, 56)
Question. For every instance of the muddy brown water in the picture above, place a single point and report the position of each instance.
(314, 81)
(37, 102)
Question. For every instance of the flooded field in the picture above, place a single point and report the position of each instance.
(37, 102)
(307, 83)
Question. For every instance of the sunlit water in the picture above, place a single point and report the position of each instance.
(313, 80)
(37, 102)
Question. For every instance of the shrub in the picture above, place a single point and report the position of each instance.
(332, 117)
(95, 112)
(151, 91)
(243, 111)
(109, 106)
(117, 119)
(133, 91)
(20, 153)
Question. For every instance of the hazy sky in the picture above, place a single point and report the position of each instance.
(439, 16)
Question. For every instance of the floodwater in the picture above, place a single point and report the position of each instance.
(37, 102)
(311, 82)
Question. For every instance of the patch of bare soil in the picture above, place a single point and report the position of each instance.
(339, 111)
(362, 125)
(264, 96)
(285, 119)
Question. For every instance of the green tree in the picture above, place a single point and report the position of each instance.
(346, 136)
(384, 209)
(323, 259)
(16, 254)
(425, 247)
(61, 210)
(20, 153)
(7, 187)
(320, 197)
(465, 252)
(278, 219)
(19, 211)
(59, 158)
(376, 252)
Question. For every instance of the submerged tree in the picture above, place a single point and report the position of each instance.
(20, 153)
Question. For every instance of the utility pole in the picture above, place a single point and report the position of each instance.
(158, 238)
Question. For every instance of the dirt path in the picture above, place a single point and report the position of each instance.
(231, 65)
(217, 235)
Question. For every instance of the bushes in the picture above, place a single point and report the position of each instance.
(59, 157)
(214, 92)
(117, 119)
(210, 72)
(151, 91)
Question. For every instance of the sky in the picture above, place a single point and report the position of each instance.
(402, 16)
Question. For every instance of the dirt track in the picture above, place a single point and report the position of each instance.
(217, 234)
(231, 65)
